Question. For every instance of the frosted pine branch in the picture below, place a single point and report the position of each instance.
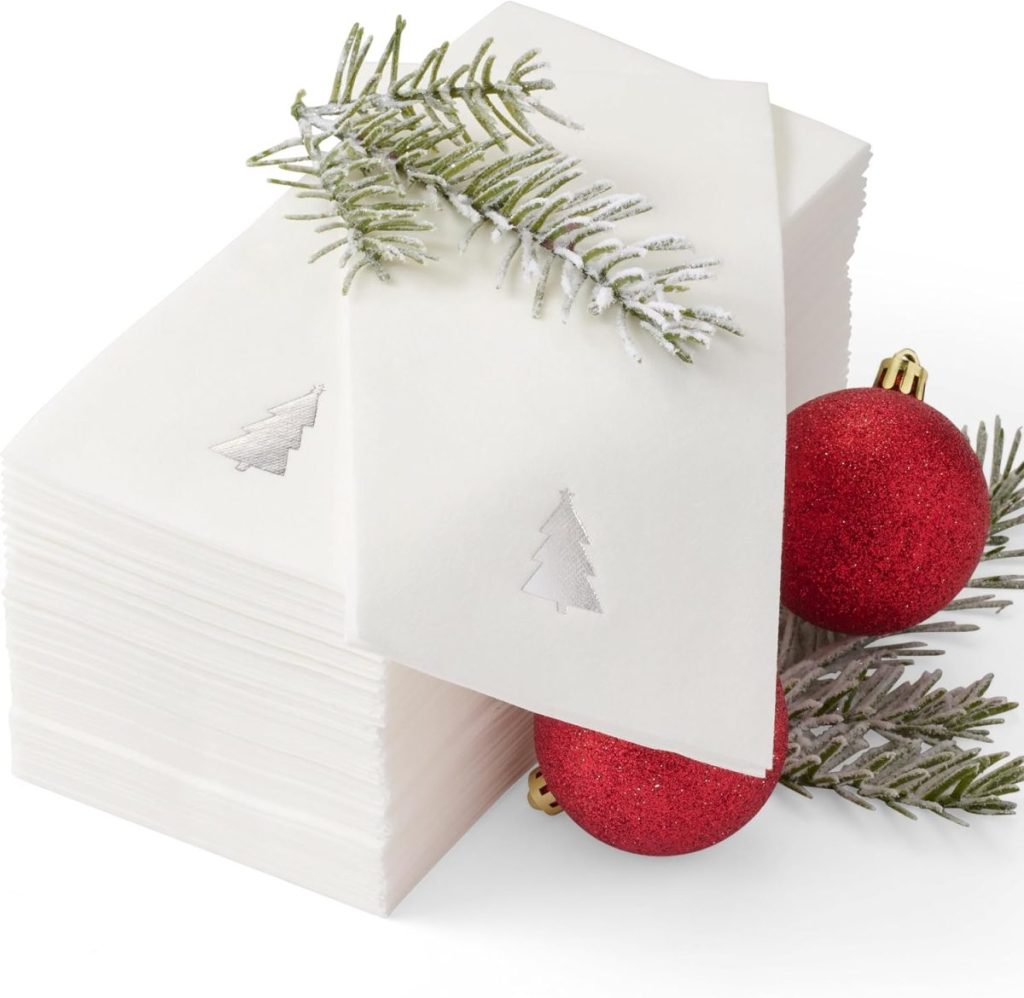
(365, 151)
(1006, 491)
(861, 728)
(907, 775)
(866, 686)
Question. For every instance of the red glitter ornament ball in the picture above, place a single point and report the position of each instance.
(647, 801)
(886, 511)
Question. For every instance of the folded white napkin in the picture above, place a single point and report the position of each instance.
(470, 419)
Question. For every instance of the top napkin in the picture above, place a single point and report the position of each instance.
(536, 515)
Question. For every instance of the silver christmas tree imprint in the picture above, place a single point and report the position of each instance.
(265, 444)
(563, 573)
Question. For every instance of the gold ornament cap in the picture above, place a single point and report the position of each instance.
(902, 372)
(539, 796)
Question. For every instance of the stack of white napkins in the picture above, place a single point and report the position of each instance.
(180, 595)
(821, 196)
(215, 700)
(209, 698)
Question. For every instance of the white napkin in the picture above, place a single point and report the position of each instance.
(256, 328)
(470, 418)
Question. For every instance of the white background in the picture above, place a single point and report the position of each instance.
(125, 128)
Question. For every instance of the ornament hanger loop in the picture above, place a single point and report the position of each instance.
(902, 372)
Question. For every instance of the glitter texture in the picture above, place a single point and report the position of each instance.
(886, 511)
(647, 801)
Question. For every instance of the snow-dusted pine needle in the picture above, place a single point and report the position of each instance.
(384, 147)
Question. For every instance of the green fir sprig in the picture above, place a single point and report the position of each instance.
(386, 148)
(861, 728)
(1006, 491)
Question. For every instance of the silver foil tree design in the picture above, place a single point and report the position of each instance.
(265, 444)
(563, 575)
